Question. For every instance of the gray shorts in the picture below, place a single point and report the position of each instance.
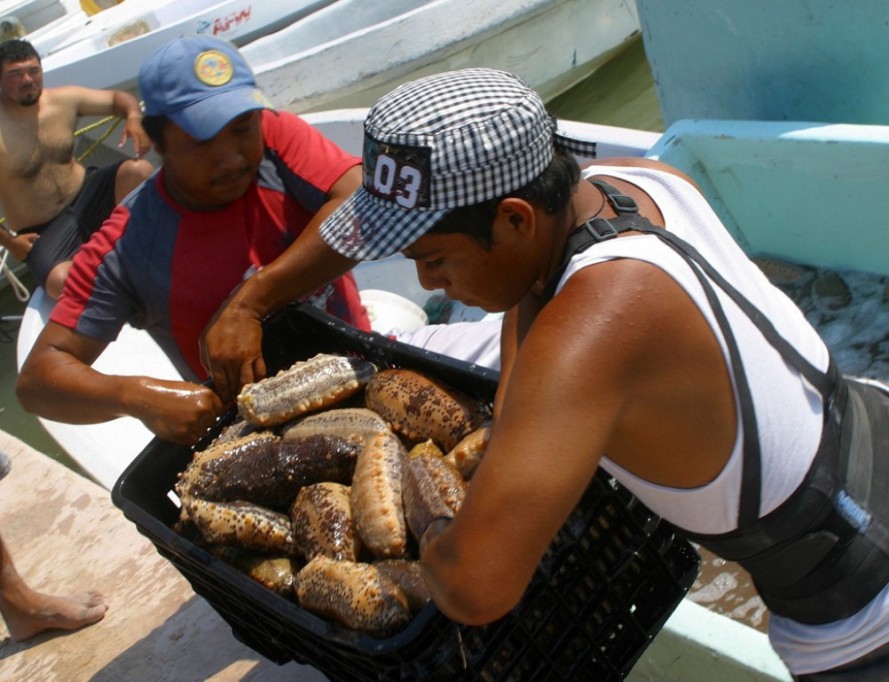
(5, 464)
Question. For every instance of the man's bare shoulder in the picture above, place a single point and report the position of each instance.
(76, 99)
(64, 95)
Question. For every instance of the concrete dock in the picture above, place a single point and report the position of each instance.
(66, 536)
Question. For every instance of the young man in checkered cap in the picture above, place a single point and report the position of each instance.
(639, 337)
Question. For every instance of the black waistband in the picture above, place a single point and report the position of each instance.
(822, 554)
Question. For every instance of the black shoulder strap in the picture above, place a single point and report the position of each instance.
(597, 230)
(601, 229)
(621, 203)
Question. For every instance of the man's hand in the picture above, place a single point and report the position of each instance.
(178, 411)
(134, 131)
(231, 350)
(231, 345)
(20, 245)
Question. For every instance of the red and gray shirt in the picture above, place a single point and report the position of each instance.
(166, 269)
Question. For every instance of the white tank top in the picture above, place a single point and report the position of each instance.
(788, 410)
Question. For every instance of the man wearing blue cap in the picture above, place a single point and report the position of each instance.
(241, 185)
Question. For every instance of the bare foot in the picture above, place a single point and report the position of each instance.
(44, 612)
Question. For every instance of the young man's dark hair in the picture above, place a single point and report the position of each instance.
(154, 128)
(16, 51)
(551, 189)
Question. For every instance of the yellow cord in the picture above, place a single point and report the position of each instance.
(105, 135)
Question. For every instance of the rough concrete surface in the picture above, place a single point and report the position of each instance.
(66, 536)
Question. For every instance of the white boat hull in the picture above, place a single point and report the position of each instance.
(32, 15)
(552, 44)
(348, 53)
(107, 51)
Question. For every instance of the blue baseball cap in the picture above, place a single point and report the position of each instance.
(200, 83)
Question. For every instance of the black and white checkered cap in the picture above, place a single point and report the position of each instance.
(448, 140)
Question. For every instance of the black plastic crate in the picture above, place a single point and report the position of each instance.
(609, 581)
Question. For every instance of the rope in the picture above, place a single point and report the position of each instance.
(20, 290)
(105, 135)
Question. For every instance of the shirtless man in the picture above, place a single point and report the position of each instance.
(51, 202)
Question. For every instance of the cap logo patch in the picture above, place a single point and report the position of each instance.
(213, 68)
(397, 173)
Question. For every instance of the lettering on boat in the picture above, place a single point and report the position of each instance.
(226, 23)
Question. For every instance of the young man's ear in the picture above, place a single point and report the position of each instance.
(518, 213)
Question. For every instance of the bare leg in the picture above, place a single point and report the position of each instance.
(27, 612)
(55, 281)
(130, 175)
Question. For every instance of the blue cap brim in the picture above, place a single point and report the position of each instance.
(204, 119)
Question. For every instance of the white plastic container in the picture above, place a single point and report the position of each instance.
(389, 311)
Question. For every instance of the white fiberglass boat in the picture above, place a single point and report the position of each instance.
(350, 53)
(316, 55)
(105, 50)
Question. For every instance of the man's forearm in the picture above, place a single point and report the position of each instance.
(81, 397)
(293, 275)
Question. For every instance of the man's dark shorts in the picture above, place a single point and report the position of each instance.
(62, 236)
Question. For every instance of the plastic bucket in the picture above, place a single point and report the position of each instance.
(388, 311)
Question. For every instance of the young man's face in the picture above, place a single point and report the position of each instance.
(494, 279)
(213, 173)
(22, 82)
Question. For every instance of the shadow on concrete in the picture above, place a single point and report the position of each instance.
(194, 643)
